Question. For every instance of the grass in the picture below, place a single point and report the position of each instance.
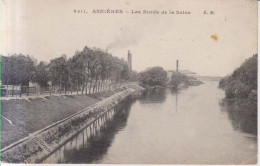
(28, 116)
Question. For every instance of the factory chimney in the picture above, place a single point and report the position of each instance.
(129, 59)
(177, 66)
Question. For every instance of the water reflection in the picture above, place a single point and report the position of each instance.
(157, 95)
(92, 143)
(154, 133)
(242, 114)
(176, 91)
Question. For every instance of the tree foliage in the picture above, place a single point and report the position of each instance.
(17, 69)
(155, 76)
(58, 70)
(41, 75)
(242, 83)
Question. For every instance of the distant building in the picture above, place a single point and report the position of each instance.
(186, 72)
(129, 59)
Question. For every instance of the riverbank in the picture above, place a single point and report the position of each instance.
(22, 120)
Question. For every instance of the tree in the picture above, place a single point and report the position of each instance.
(78, 69)
(17, 69)
(41, 74)
(5, 70)
(242, 83)
(59, 74)
(155, 76)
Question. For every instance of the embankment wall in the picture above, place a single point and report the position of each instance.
(41, 144)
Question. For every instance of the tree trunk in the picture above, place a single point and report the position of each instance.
(82, 88)
(95, 85)
(102, 85)
(106, 85)
(60, 84)
(90, 86)
(78, 86)
(97, 88)
(86, 84)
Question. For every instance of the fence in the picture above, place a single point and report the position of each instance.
(19, 91)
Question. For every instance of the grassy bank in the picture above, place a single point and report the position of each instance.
(39, 145)
(20, 117)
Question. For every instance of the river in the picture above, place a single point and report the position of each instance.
(164, 126)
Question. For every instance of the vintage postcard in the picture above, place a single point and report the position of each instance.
(129, 81)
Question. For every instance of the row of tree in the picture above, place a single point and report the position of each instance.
(87, 68)
(242, 83)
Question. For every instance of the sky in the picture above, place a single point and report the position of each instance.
(210, 45)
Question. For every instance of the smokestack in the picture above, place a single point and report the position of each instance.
(177, 66)
(129, 59)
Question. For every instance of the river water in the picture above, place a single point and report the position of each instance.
(164, 126)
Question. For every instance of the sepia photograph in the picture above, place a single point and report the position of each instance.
(129, 82)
